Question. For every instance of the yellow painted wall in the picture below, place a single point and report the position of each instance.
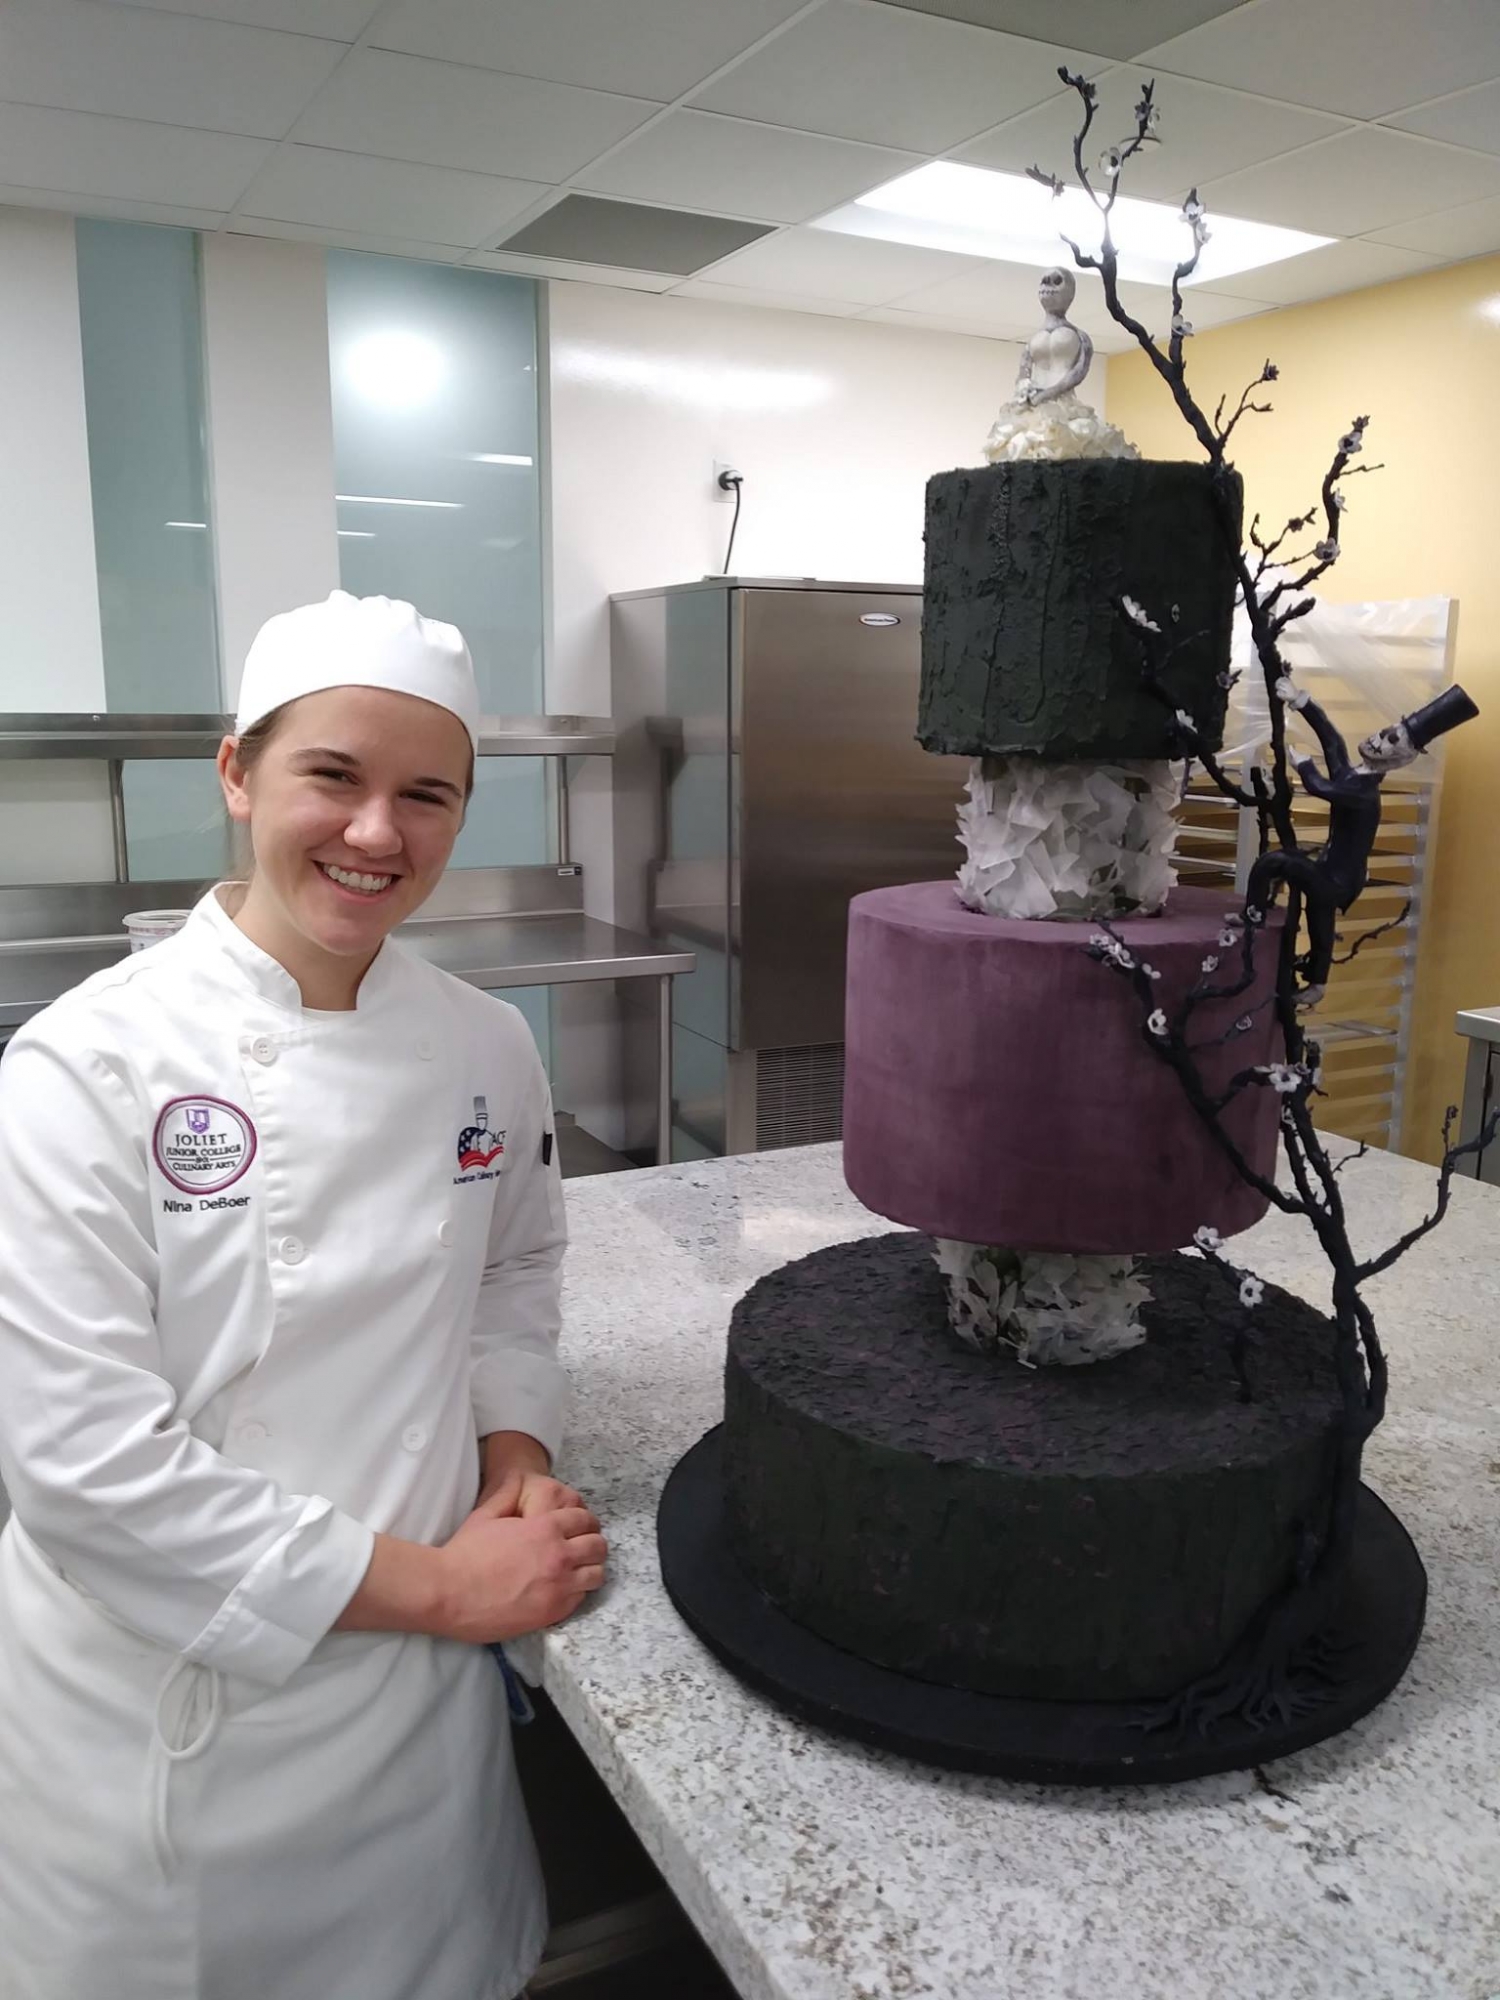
(1421, 358)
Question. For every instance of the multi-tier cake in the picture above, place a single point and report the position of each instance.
(997, 1490)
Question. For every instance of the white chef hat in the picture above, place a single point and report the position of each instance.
(358, 642)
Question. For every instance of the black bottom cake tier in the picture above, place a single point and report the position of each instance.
(1365, 1647)
(1100, 1533)
(1015, 1569)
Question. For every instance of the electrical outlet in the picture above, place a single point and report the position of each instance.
(724, 470)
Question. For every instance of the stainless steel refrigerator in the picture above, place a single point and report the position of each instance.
(765, 772)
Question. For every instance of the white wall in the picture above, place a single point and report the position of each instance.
(835, 424)
(54, 820)
(270, 434)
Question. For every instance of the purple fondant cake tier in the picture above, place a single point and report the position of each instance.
(998, 1089)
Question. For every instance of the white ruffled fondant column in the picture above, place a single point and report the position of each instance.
(1057, 842)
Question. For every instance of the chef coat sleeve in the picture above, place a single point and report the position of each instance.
(210, 1559)
(517, 1381)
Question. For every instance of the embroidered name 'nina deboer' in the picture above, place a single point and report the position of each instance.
(203, 1144)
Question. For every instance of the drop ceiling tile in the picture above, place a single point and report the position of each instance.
(888, 77)
(645, 48)
(999, 294)
(128, 62)
(346, 239)
(738, 168)
(561, 268)
(1109, 27)
(385, 197)
(74, 152)
(742, 295)
(1318, 274)
(1470, 231)
(435, 113)
(976, 329)
(1360, 57)
(1152, 306)
(823, 264)
(631, 235)
(1364, 180)
(111, 209)
(337, 20)
(1472, 118)
(1111, 339)
(984, 289)
(1206, 131)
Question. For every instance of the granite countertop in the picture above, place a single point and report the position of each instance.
(1365, 1869)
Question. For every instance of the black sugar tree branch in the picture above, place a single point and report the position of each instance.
(1380, 930)
(1285, 1673)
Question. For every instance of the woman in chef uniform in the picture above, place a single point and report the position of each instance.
(280, 1227)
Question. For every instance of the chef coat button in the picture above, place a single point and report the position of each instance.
(414, 1437)
(291, 1250)
(425, 1050)
(263, 1049)
(253, 1433)
(445, 1233)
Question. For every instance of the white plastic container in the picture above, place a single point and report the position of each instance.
(148, 927)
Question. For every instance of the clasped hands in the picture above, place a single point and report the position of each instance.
(529, 1553)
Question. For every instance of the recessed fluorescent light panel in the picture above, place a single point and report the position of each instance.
(1016, 220)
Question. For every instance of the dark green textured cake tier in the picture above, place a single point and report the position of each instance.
(1024, 650)
(1076, 1534)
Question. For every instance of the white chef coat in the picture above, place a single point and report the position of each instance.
(266, 1275)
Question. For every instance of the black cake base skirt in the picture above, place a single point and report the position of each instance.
(1366, 1648)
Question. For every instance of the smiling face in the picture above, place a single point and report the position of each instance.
(353, 806)
(1056, 291)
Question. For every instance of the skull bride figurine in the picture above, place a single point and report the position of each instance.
(1057, 358)
(1044, 418)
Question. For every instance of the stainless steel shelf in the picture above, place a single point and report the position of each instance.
(122, 738)
(540, 951)
(553, 950)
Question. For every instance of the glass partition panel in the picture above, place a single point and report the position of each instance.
(141, 327)
(176, 826)
(435, 435)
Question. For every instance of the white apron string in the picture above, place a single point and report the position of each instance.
(175, 1738)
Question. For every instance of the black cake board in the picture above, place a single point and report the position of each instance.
(1371, 1639)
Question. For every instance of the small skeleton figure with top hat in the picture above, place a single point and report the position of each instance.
(1332, 876)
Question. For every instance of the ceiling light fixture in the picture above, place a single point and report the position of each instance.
(496, 458)
(187, 524)
(1008, 217)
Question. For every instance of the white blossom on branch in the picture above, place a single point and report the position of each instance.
(1137, 615)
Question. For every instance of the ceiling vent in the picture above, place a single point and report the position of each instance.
(632, 236)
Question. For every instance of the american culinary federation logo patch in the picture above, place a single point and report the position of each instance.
(477, 1144)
